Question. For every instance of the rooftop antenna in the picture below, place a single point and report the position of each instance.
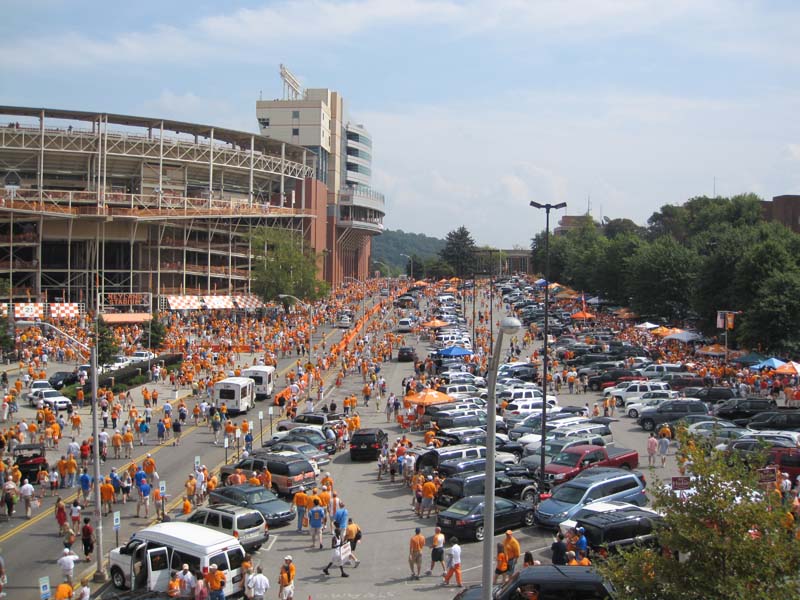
(292, 90)
(260, 94)
(588, 204)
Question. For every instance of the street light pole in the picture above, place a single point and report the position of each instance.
(411, 262)
(509, 325)
(99, 574)
(547, 208)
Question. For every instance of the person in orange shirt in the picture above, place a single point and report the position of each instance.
(215, 579)
(127, 441)
(174, 586)
(265, 478)
(428, 494)
(415, 546)
(187, 506)
(301, 503)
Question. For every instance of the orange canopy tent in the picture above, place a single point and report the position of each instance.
(421, 283)
(428, 397)
(790, 368)
(582, 314)
(712, 350)
(435, 323)
(451, 290)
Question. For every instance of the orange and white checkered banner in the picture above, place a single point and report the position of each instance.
(250, 301)
(29, 310)
(66, 310)
(4, 310)
(218, 302)
(184, 302)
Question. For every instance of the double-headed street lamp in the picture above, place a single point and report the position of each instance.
(99, 574)
(310, 310)
(547, 208)
(508, 326)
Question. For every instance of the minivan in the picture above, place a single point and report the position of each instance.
(669, 412)
(148, 559)
(586, 430)
(245, 524)
(568, 498)
(654, 371)
(474, 484)
(405, 326)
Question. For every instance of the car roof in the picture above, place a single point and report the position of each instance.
(588, 479)
(197, 537)
(558, 574)
(606, 518)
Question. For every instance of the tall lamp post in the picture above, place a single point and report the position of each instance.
(547, 208)
(310, 321)
(411, 262)
(508, 326)
(99, 574)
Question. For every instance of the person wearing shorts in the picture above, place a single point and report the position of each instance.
(437, 551)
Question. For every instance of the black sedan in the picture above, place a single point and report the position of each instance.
(465, 517)
(275, 511)
(61, 378)
(406, 354)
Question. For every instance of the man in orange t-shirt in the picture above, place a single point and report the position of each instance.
(216, 583)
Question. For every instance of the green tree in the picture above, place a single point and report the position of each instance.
(437, 268)
(584, 248)
(616, 227)
(559, 247)
(660, 278)
(729, 533)
(772, 320)
(459, 251)
(283, 265)
(612, 268)
(106, 345)
(154, 334)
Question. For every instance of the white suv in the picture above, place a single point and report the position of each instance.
(637, 389)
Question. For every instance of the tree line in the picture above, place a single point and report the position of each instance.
(689, 262)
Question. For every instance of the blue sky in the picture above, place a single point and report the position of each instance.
(476, 107)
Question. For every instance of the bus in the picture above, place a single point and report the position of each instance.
(238, 394)
(264, 378)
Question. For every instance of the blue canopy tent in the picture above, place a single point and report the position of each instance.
(770, 363)
(455, 351)
(540, 282)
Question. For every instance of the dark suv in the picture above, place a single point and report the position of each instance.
(607, 532)
(713, 395)
(367, 443)
(551, 581)
(474, 484)
(669, 412)
(742, 409)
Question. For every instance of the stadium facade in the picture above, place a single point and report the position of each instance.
(97, 207)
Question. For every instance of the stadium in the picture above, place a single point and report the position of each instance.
(103, 210)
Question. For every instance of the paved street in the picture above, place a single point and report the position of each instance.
(382, 509)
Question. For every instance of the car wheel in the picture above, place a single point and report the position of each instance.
(595, 387)
(256, 548)
(619, 402)
(117, 578)
(648, 425)
(633, 413)
(281, 428)
(528, 519)
(528, 495)
(479, 533)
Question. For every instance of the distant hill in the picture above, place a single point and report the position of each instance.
(388, 246)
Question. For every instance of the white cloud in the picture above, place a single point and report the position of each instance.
(248, 34)
(794, 151)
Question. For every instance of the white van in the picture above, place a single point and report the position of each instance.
(238, 394)
(654, 371)
(147, 560)
(405, 325)
(264, 378)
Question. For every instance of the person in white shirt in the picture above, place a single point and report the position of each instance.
(188, 582)
(67, 564)
(453, 562)
(258, 584)
(26, 493)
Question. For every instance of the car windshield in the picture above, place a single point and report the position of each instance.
(566, 459)
(569, 494)
(553, 448)
(256, 496)
(463, 507)
(51, 393)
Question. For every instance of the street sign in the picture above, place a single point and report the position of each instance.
(261, 415)
(238, 433)
(116, 520)
(225, 442)
(44, 588)
(251, 426)
(196, 462)
(270, 410)
(162, 487)
(681, 483)
(768, 475)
